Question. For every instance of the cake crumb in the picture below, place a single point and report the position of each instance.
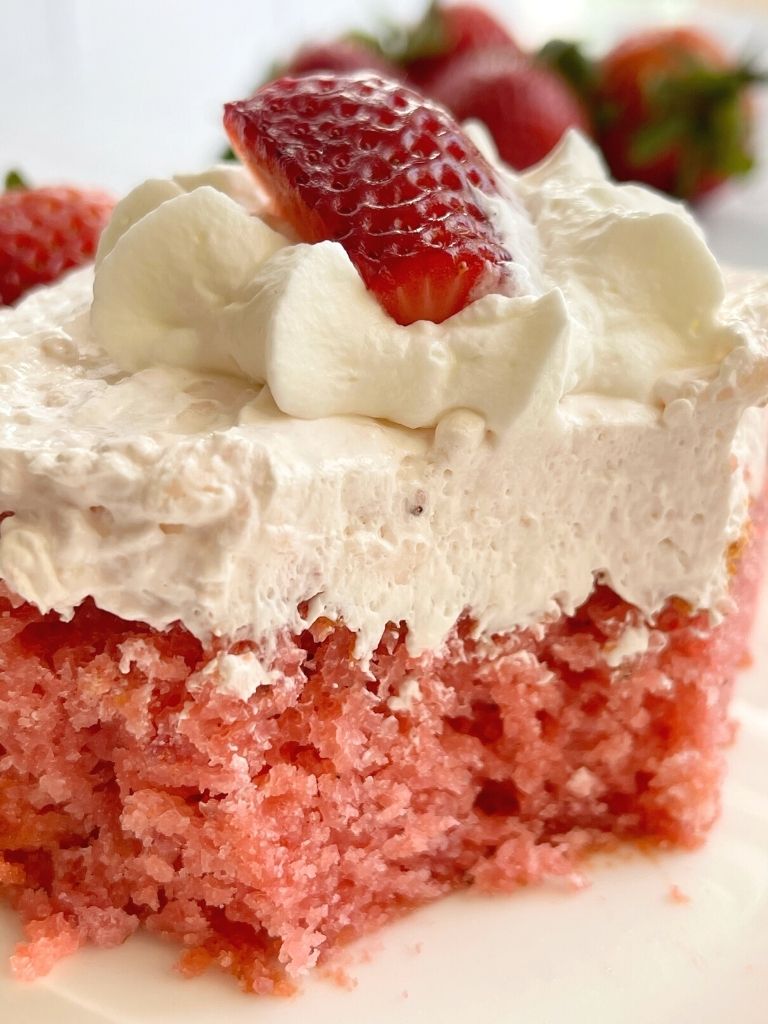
(676, 895)
(633, 643)
(341, 977)
(583, 783)
(410, 691)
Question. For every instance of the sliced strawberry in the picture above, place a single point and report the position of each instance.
(369, 163)
(46, 231)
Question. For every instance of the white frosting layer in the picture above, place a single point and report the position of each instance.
(497, 463)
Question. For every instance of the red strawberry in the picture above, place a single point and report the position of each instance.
(468, 27)
(45, 231)
(674, 111)
(446, 33)
(340, 55)
(371, 164)
(524, 106)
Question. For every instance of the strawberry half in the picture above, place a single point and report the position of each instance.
(46, 231)
(371, 164)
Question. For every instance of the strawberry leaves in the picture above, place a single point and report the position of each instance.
(702, 112)
(14, 180)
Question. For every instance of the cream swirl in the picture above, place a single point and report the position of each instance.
(616, 287)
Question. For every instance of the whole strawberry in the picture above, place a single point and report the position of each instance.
(46, 231)
(447, 32)
(525, 106)
(340, 55)
(673, 111)
(369, 163)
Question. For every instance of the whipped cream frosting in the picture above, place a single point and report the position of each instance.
(224, 426)
(615, 287)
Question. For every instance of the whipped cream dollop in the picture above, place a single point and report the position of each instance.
(223, 427)
(615, 287)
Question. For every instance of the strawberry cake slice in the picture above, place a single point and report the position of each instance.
(377, 522)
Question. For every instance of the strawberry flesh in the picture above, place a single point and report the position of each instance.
(369, 163)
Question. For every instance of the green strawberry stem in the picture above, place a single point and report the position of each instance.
(403, 44)
(14, 179)
(702, 113)
(698, 112)
(571, 63)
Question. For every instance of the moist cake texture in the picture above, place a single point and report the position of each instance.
(261, 833)
(309, 618)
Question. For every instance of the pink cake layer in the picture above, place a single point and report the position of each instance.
(262, 834)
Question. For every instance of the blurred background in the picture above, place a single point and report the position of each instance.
(107, 93)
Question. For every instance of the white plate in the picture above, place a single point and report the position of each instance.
(103, 96)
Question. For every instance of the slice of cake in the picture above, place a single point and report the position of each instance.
(315, 609)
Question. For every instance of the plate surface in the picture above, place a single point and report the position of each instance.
(623, 950)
